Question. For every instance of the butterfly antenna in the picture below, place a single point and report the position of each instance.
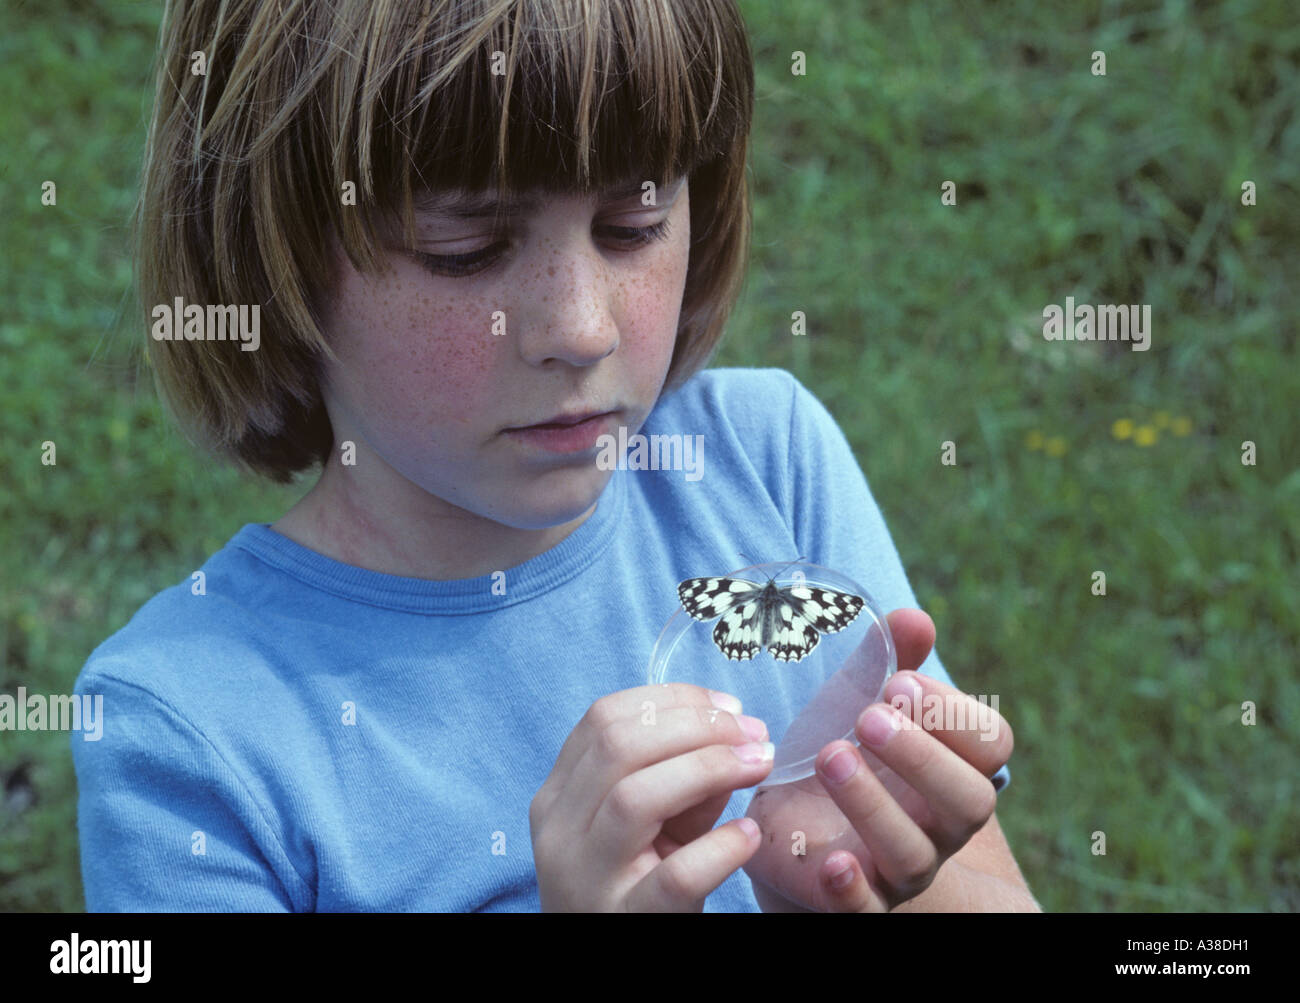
(791, 564)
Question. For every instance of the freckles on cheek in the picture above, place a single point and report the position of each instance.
(416, 359)
(653, 304)
(451, 354)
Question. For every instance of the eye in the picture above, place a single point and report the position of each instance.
(457, 265)
(638, 235)
(461, 265)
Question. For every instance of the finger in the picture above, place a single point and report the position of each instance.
(845, 888)
(902, 853)
(635, 702)
(958, 797)
(913, 634)
(681, 882)
(634, 810)
(695, 821)
(630, 744)
(974, 730)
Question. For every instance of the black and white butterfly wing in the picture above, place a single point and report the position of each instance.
(709, 598)
(804, 614)
(738, 634)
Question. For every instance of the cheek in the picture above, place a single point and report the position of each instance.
(416, 359)
(451, 354)
(653, 305)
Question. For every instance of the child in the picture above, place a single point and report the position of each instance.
(455, 236)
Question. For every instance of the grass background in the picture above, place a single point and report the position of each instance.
(925, 327)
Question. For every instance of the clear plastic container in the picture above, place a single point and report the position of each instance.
(805, 703)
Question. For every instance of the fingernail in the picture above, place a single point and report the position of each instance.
(754, 729)
(842, 765)
(754, 752)
(842, 877)
(879, 727)
(905, 682)
(725, 701)
(749, 826)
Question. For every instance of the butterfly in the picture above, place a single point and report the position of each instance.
(786, 620)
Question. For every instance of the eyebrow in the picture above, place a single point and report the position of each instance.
(480, 205)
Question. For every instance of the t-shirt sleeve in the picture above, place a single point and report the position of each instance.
(165, 825)
(836, 520)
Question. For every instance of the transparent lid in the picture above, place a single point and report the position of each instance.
(808, 699)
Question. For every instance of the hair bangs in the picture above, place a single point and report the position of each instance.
(573, 97)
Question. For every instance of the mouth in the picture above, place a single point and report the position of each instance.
(563, 420)
(573, 433)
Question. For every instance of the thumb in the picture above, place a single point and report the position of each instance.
(913, 633)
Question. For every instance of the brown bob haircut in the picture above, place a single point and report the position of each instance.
(240, 196)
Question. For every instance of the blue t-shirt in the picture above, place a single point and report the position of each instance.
(227, 779)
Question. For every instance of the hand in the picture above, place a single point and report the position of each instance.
(900, 813)
(625, 820)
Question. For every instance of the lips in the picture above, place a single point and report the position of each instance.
(579, 433)
(563, 420)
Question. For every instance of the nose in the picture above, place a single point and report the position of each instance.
(568, 313)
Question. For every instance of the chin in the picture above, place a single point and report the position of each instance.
(546, 510)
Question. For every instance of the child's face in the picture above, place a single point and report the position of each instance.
(564, 311)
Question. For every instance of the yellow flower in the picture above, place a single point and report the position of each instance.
(1161, 419)
(1034, 440)
(1182, 426)
(1055, 446)
(1122, 429)
(1145, 435)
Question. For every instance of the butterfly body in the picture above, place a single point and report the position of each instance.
(786, 620)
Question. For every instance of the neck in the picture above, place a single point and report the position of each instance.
(408, 532)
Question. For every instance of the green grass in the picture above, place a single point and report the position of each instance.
(925, 326)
